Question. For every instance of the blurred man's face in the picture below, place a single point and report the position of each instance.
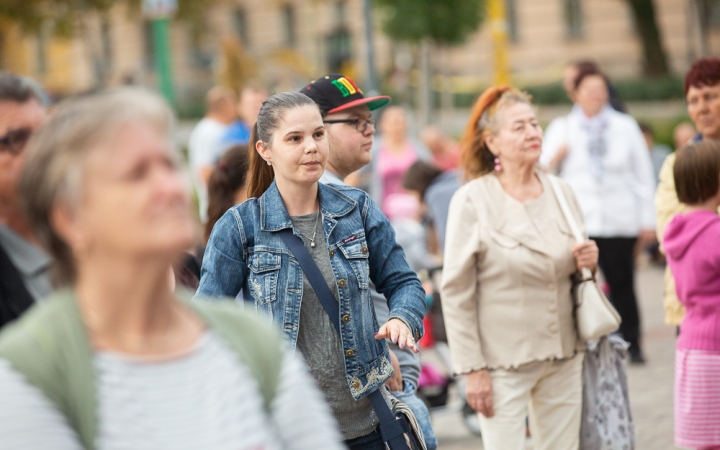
(17, 122)
(704, 109)
(682, 134)
(251, 101)
(349, 148)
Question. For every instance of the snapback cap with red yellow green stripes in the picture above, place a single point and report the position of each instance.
(335, 92)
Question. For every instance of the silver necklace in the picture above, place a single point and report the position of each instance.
(312, 239)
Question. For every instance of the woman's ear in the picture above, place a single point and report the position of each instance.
(64, 221)
(490, 141)
(262, 150)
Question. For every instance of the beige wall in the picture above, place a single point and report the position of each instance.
(537, 56)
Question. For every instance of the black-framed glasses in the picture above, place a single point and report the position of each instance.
(360, 124)
(14, 140)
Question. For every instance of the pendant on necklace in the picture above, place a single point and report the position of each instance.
(312, 244)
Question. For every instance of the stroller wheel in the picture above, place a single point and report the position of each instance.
(471, 420)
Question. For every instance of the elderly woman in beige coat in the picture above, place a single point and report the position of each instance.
(510, 260)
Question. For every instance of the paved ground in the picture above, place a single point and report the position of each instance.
(650, 385)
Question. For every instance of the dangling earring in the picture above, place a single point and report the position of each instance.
(498, 167)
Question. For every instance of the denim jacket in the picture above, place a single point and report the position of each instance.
(245, 253)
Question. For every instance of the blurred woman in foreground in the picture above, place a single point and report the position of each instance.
(114, 359)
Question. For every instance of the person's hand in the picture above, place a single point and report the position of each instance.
(647, 237)
(395, 383)
(398, 333)
(586, 255)
(478, 392)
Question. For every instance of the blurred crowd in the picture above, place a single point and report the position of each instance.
(95, 213)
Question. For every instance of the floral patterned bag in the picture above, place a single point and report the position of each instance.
(606, 417)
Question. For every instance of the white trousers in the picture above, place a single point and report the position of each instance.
(550, 391)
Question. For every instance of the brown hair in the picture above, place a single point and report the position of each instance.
(227, 178)
(57, 153)
(697, 172)
(475, 158)
(261, 174)
(420, 176)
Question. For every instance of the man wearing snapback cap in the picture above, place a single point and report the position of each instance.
(350, 130)
(348, 123)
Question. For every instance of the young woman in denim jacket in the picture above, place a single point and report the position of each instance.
(350, 240)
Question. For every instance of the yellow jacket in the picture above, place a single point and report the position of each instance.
(667, 206)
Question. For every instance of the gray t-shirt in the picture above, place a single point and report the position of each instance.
(320, 343)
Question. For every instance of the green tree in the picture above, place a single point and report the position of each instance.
(445, 22)
(655, 62)
(430, 23)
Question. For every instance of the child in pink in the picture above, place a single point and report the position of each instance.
(692, 246)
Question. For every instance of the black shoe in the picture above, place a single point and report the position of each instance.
(636, 356)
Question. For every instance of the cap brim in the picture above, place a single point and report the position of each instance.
(373, 103)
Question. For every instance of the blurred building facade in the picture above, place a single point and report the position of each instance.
(288, 42)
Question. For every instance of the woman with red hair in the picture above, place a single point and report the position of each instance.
(509, 260)
(702, 93)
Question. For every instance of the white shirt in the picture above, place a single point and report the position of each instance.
(620, 202)
(204, 149)
(331, 178)
(207, 399)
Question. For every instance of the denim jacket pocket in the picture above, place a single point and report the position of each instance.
(357, 254)
(263, 277)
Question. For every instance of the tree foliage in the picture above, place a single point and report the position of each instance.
(446, 22)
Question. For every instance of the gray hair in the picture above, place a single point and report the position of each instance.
(57, 153)
(15, 88)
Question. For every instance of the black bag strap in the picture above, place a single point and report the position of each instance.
(392, 428)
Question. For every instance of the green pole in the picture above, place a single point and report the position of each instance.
(163, 58)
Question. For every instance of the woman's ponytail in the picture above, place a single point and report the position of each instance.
(261, 174)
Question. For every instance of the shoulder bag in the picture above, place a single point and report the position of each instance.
(398, 427)
(594, 315)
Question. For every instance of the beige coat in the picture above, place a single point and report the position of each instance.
(506, 287)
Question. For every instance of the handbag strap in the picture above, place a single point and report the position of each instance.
(569, 217)
(391, 428)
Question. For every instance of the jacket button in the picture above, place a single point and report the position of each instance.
(364, 250)
(346, 318)
(551, 286)
(553, 328)
(356, 384)
(342, 283)
(349, 352)
(552, 306)
(332, 253)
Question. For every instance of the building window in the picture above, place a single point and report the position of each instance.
(511, 14)
(288, 13)
(241, 26)
(3, 63)
(148, 45)
(340, 12)
(107, 44)
(573, 19)
(40, 53)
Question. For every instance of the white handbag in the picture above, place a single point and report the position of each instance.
(594, 315)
